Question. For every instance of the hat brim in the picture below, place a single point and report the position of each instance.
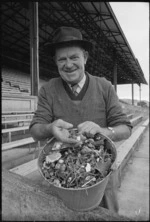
(50, 48)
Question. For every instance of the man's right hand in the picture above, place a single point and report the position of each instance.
(60, 130)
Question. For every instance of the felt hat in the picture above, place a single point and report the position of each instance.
(67, 36)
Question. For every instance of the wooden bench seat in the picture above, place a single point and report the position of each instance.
(6, 90)
(6, 85)
(11, 92)
(15, 129)
(17, 112)
(27, 115)
(7, 122)
(15, 80)
(17, 143)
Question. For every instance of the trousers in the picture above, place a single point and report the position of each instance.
(110, 200)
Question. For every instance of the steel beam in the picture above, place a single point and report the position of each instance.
(34, 48)
(132, 93)
(140, 92)
(115, 74)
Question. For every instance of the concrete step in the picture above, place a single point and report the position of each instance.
(130, 115)
(125, 150)
(133, 195)
(24, 200)
(18, 143)
(25, 168)
(134, 121)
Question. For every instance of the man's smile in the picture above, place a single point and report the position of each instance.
(70, 71)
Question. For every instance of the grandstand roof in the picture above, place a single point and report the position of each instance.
(96, 21)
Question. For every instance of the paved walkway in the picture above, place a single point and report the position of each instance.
(133, 195)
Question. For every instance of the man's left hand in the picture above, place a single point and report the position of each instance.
(89, 128)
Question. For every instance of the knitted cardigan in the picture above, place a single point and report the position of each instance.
(99, 104)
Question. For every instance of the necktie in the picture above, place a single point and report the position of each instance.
(74, 89)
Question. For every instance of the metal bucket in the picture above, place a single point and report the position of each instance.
(81, 199)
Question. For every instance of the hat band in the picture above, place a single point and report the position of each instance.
(66, 38)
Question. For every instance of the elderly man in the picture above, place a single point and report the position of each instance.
(78, 99)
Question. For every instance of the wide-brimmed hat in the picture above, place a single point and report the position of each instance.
(66, 36)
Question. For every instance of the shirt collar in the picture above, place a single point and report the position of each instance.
(81, 83)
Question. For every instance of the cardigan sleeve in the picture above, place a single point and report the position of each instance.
(114, 112)
(43, 114)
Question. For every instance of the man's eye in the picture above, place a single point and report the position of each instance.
(61, 60)
(74, 58)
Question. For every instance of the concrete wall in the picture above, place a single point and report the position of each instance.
(26, 201)
(16, 103)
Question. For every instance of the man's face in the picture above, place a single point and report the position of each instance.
(71, 63)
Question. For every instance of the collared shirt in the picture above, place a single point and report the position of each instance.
(80, 84)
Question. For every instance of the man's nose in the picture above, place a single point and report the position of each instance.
(68, 63)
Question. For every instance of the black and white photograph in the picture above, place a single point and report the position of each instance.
(75, 111)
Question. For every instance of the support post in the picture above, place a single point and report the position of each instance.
(115, 73)
(132, 94)
(34, 47)
(140, 92)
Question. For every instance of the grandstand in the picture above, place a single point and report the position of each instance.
(17, 82)
(18, 108)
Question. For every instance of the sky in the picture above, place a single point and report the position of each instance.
(133, 18)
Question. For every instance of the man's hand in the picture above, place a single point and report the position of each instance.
(89, 128)
(60, 130)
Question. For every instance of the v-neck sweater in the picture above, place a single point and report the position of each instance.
(81, 93)
(99, 104)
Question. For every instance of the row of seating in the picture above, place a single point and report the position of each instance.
(9, 129)
(17, 121)
(17, 112)
(17, 144)
(6, 87)
(15, 86)
(15, 81)
(7, 117)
